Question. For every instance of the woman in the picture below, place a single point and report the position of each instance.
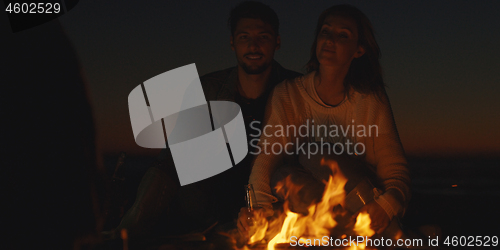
(343, 88)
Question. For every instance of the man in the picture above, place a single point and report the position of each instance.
(254, 39)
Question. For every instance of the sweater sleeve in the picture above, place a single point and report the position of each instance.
(271, 153)
(388, 151)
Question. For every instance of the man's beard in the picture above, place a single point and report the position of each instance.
(252, 70)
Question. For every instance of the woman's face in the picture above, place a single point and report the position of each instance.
(337, 42)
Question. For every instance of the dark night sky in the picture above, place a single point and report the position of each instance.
(440, 59)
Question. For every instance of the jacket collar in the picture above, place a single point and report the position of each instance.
(228, 90)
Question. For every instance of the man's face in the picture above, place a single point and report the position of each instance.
(254, 43)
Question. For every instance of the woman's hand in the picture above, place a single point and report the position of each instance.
(379, 218)
(244, 223)
(246, 220)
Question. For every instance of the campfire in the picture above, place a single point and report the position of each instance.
(326, 223)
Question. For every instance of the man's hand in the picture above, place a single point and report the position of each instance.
(379, 218)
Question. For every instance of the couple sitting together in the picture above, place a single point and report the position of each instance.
(343, 87)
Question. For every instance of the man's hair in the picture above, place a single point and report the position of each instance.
(255, 10)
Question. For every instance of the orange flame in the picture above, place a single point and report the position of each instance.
(362, 226)
(260, 226)
(320, 219)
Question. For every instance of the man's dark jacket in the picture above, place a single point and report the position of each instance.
(220, 197)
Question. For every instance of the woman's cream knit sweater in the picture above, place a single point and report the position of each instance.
(295, 103)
